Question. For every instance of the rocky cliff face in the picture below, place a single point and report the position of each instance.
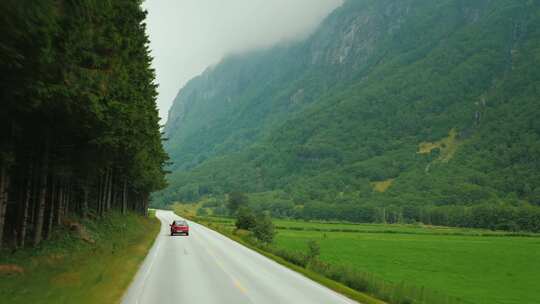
(225, 108)
(285, 78)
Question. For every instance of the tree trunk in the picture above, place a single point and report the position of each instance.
(4, 185)
(42, 197)
(25, 206)
(33, 199)
(104, 193)
(84, 207)
(70, 204)
(103, 196)
(109, 189)
(59, 203)
(145, 205)
(98, 207)
(112, 191)
(50, 223)
(124, 197)
(68, 199)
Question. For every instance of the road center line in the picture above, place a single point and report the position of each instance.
(235, 281)
(239, 286)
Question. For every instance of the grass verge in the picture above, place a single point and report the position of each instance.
(67, 269)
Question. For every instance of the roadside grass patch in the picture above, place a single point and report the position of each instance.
(68, 269)
(188, 210)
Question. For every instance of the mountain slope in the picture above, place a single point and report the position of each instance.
(390, 111)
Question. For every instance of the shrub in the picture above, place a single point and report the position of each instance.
(314, 250)
(294, 257)
(245, 219)
(264, 228)
(202, 212)
(236, 201)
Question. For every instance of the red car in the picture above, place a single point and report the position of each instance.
(179, 227)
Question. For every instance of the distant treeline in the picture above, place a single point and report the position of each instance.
(487, 215)
(79, 128)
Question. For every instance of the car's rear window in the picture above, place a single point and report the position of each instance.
(180, 223)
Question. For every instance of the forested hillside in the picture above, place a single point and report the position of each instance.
(79, 132)
(392, 111)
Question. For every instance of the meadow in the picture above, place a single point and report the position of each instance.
(473, 265)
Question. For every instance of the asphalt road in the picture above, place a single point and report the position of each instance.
(206, 267)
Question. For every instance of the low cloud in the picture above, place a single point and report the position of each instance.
(187, 36)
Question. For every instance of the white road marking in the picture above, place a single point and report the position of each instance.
(147, 274)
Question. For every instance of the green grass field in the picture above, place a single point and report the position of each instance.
(375, 228)
(478, 266)
(477, 269)
(70, 270)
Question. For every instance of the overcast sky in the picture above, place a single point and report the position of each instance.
(187, 36)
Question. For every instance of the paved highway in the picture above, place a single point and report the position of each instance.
(207, 268)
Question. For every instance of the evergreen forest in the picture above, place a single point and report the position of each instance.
(79, 128)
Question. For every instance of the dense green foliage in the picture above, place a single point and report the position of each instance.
(260, 224)
(236, 201)
(392, 111)
(245, 219)
(79, 128)
(264, 228)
